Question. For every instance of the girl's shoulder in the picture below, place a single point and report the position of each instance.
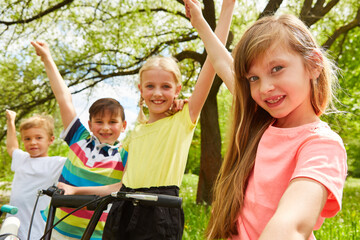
(319, 128)
(308, 133)
(323, 130)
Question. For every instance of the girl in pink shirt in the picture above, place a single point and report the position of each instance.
(285, 169)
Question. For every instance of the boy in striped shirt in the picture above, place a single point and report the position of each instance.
(95, 159)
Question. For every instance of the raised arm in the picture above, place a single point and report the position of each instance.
(58, 86)
(207, 73)
(11, 140)
(297, 212)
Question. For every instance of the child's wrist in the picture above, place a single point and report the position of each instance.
(47, 58)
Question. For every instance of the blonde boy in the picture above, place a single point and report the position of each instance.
(34, 169)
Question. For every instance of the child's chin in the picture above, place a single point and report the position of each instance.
(107, 141)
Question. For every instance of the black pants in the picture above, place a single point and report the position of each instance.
(128, 222)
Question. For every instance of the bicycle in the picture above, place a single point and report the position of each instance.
(99, 204)
(10, 226)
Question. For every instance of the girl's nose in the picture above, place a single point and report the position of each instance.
(266, 85)
(157, 92)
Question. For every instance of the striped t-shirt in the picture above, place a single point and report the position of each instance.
(89, 163)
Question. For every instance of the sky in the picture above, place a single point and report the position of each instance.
(127, 95)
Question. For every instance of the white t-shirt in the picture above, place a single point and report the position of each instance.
(31, 175)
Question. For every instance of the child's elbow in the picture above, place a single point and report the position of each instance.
(288, 228)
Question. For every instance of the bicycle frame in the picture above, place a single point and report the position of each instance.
(70, 201)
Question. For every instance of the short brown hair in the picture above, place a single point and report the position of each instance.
(101, 105)
(39, 121)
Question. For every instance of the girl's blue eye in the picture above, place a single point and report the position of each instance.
(276, 69)
(252, 78)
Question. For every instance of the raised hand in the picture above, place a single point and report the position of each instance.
(193, 11)
(10, 115)
(42, 49)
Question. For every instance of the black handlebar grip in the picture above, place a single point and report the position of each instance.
(169, 201)
(74, 201)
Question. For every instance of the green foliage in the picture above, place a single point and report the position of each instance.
(224, 99)
(346, 224)
(193, 162)
(347, 124)
(196, 216)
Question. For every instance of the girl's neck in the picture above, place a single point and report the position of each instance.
(156, 117)
(289, 123)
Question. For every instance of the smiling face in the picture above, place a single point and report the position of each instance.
(280, 84)
(107, 127)
(36, 141)
(159, 89)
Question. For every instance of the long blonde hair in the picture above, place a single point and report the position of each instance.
(250, 121)
(168, 64)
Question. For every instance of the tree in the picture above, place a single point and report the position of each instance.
(104, 40)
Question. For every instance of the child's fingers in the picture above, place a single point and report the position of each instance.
(192, 8)
(38, 44)
(10, 114)
(41, 43)
(187, 9)
(33, 43)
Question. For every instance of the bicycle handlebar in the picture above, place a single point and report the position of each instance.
(99, 204)
(74, 201)
(150, 199)
(9, 209)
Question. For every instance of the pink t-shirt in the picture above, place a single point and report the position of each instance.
(312, 151)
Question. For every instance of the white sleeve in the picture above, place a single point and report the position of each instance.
(18, 158)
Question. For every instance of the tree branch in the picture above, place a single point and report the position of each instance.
(271, 8)
(343, 30)
(38, 16)
(311, 15)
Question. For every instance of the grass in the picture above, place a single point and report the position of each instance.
(344, 226)
(196, 216)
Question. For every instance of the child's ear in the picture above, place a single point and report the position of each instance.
(139, 87)
(317, 63)
(177, 92)
(89, 123)
(51, 140)
(124, 123)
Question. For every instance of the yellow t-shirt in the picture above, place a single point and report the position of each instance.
(158, 151)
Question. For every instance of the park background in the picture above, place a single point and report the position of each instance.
(99, 46)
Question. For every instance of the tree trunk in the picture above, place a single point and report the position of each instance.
(210, 160)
